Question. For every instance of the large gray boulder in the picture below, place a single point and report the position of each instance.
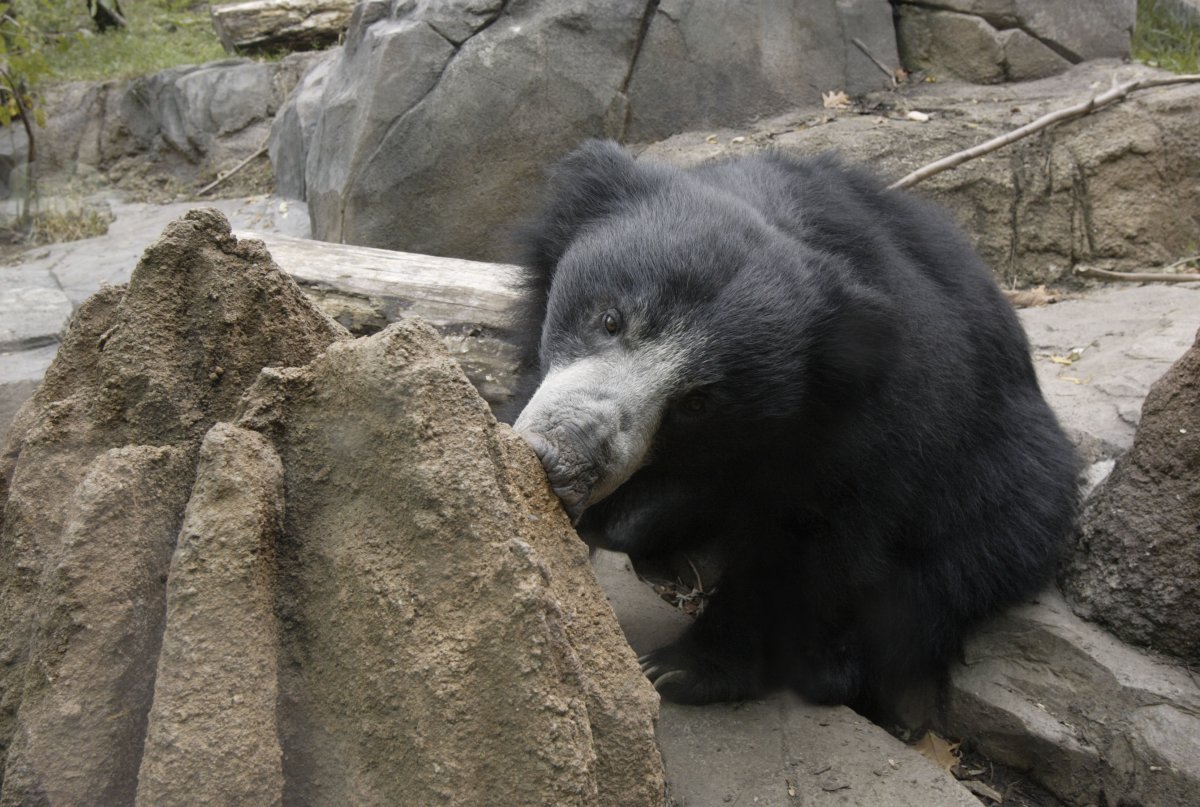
(175, 128)
(437, 118)
(989, 41)
(720, 64)
(1088, 717)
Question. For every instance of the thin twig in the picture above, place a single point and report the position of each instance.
(232, 171)
(887, 71)
(1113, 95)
(1136, 277)
(1182, 261)
(699, 583)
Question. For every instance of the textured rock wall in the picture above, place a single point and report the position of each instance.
(435, 117)
(246, 560)
(185, 121)
(989, 41)
(1117, 189)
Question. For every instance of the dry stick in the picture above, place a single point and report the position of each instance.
(858, 43)
(232, 171)
(1117, 93)
(1136, 277)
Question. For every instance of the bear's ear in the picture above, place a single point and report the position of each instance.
(586, 185)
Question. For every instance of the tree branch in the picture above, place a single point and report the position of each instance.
(1092, 104)
(1136, 277)
(232, 171)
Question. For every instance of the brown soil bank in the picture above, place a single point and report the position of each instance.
(335, 580)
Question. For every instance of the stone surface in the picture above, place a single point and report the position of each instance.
(141, 375)
(216, 686)
(775, 751)
(292, 129)
(1119, 188)
(1135, 566)
(968, 47)
(445, 161)
(1117, 341)
(1091, 719)
(171, 129)
(31, 316)
(712, 64)
(430, 164)
(974, 40)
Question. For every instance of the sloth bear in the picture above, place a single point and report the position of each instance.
(812, 374)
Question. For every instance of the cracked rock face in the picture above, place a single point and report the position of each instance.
(990, 41)
(437, 116)
(1118, 189)
(244, 556)
(1136, 564)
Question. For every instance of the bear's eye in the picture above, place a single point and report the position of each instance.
(694, 404)
(611, 320)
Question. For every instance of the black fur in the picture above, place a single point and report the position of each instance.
(874, 458)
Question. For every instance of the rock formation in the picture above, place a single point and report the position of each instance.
(246, 557)
(1135, 567)
(1091, 719)
(448, 111)
(182, 123)
(1118, 189)
(989, 41)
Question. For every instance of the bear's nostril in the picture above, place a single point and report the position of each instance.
(564, 483)
(545, 451)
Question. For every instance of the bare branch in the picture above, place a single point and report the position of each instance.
(1113, 95)
(1137, 277)
(887, 71)
(232, 171)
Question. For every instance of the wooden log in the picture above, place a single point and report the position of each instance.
(365, 289)
(265, 25)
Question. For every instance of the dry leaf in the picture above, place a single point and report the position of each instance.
(1032, 298)
(1073, 355)
(938, 750)
(835, 99)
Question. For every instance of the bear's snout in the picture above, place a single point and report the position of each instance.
(567, 484)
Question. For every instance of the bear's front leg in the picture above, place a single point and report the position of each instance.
(783, 616)
(727, 653)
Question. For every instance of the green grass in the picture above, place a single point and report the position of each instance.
(1161, 39)
(161, 34)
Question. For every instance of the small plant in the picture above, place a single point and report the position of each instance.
(68, 222)
(1164, 38)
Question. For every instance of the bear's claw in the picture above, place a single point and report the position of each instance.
(683, 675)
